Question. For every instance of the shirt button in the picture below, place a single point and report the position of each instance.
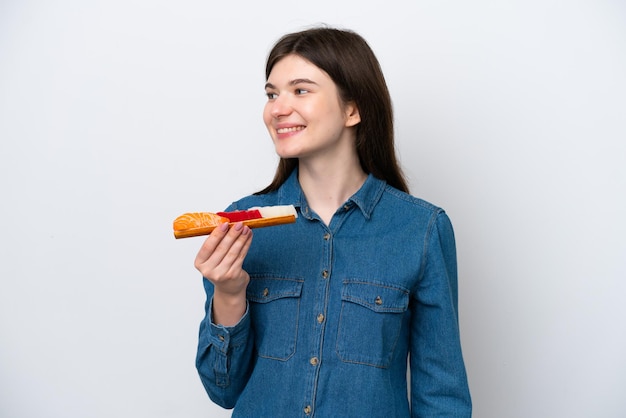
(346, 207)
(266, 292)
(314, 361)
(325, 274)
(326, 236)
(378, 300)
(307, 409)
(320, 318)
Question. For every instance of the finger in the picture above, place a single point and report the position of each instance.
(238, 262)
(210, 243)
(218, 254)
(237, 249)
(225, 244)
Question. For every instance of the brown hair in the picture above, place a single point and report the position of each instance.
(349, 61)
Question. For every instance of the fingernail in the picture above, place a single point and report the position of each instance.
(224, 227)
(245, 231)
(238, 226)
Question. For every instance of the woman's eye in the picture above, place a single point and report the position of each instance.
(301, 91)
(271, 95)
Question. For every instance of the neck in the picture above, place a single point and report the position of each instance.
(328, 184)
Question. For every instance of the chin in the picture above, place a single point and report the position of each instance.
(282, 153)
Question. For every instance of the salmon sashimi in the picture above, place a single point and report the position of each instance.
(198, 220)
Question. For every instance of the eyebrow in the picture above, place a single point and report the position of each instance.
(293, 83)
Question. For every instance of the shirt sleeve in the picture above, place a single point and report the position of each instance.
(224, 355)
(439, 386)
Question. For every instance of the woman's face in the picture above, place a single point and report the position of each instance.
(304, 115)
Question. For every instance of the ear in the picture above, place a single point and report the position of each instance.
(353, 117)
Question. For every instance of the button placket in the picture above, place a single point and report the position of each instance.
(319, 316)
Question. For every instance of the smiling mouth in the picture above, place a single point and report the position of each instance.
(288, 130)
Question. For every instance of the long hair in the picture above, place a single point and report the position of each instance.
(350, 62)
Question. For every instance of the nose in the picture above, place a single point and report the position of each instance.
(280, 106)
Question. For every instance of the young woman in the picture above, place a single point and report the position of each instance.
(321, 317)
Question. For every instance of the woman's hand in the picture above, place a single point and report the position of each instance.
(220, 260)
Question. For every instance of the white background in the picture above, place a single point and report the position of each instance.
(117, 116)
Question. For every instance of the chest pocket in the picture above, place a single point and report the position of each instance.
(274, 311)
(370, 322)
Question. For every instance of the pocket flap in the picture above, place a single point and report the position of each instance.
(262, 289)
(376, 296)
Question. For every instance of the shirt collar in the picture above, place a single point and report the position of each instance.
(368, 195)
(366, 198)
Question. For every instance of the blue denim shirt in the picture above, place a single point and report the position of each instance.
(335, 313)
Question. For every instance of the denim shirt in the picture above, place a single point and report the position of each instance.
(335, 313)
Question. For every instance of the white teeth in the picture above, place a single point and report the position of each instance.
(286, 130)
